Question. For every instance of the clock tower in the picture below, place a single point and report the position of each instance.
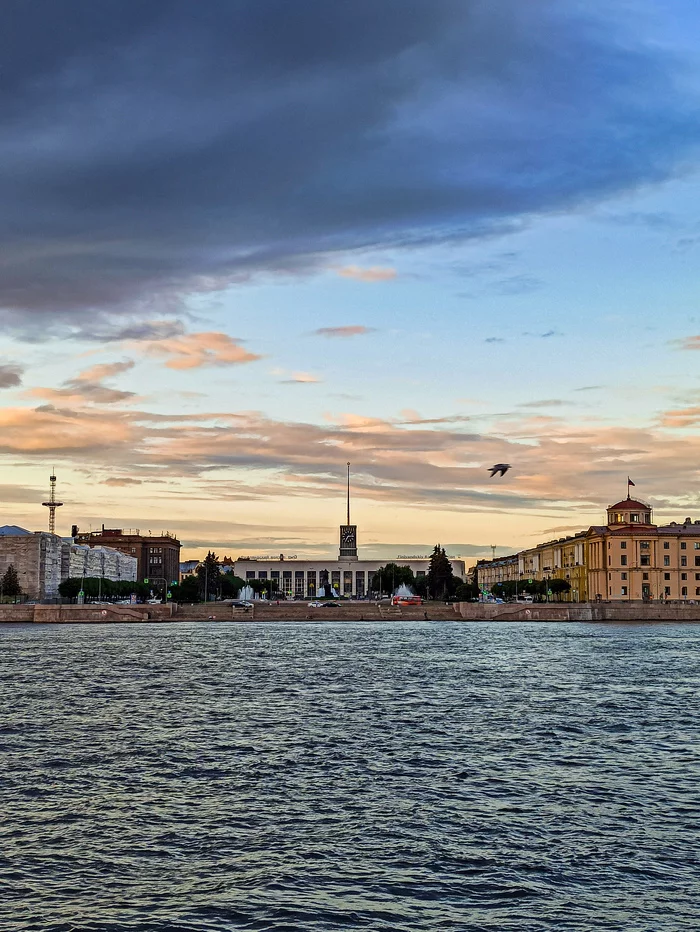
(348, 534)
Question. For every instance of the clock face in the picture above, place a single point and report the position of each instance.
(347, 535)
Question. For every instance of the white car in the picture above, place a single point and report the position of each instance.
(315, 604)
(154, 602)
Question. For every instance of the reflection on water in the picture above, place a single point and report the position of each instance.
(389, 776)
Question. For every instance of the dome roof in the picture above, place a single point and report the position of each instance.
(629, 504)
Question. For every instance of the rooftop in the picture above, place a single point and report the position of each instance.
(11, 530)
(629, 504)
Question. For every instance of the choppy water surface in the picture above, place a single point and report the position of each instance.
(370, 776)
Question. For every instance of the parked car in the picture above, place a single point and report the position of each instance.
(316, 604)
(241, 603)
(331, 604)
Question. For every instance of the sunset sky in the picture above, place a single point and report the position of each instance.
(246, 241)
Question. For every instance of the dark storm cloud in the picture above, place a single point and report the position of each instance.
(154, 150)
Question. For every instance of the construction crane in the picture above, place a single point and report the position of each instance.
(52, 504)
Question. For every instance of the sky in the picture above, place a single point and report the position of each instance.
(246, 242)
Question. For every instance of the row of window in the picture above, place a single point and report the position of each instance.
(645, 576)
(645, 545)
(667, 590)
(645, 560)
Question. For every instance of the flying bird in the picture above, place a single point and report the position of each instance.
(501, 468)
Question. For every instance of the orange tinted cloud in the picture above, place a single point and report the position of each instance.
(195, 350)
(374, 273)
(689, 343)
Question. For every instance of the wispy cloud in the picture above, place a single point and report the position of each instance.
(375, 273)
(302, 378)
(687, 343)
(355, 330)
(89, 386)
(494, 340)
(545, 403)
(196, 350)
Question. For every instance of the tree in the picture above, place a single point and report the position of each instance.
(466, 592)
(69, 588)
(260, 586)
(441, 579)
(10, 583)
(230, 585)
(187, 590)
(388, 578)
(209, 573)
(559, 587)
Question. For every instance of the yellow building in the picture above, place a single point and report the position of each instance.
(627, 558)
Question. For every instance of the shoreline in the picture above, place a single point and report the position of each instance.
(594, 612)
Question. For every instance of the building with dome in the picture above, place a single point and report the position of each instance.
(627, 558)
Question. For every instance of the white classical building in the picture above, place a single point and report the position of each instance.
(346, 575)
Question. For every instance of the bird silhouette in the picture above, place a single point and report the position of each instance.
(501, 468)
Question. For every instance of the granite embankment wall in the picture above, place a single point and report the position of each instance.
(300, 611)
(582, 611)
(94, 614)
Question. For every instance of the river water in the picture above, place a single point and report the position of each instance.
(392, 776)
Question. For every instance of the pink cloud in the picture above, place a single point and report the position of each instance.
(351, 331)
(195, 350)
(375, 273)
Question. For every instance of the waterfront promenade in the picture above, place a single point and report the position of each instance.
(352, 612)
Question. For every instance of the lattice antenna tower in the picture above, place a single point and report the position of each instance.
(52, 504)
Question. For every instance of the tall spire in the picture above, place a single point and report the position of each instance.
(348, 493)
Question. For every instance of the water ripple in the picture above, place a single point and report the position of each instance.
(380, 777)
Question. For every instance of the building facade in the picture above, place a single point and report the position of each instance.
(101, 562)
(37, 556)
(627, 558)
(157, 557)
(305, 578)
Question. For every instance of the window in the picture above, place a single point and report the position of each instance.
(667, 546)
(275, 574)
(156, 561)
(609, 561)
(697, 576)
(634, 518)
(684, 591)
(696, 545)
(262, 574)
(684, 575)
(683, 545)
(667, 590)
(697, 590)
(645, 576)
(667, 575)
(684, 561)
(697, 561)
(623, 560)
(623, 575)
(249, 574)
(667, 561)
(156, 549)
(645, 560)
(624, 590)
(623, 545)
(643, 544)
